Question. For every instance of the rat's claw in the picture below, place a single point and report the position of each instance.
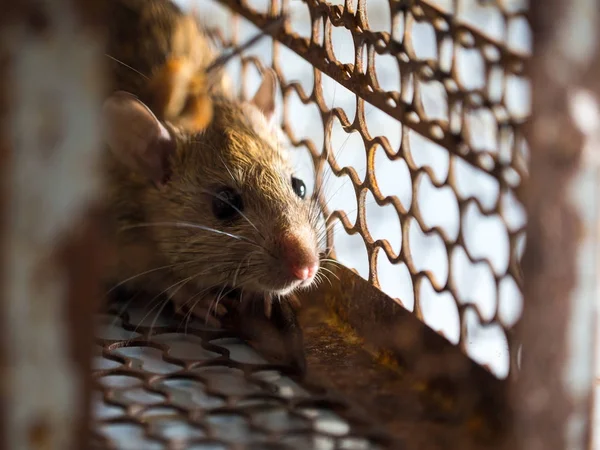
(268, 305)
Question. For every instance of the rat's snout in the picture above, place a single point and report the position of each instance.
(304, 272)
(300, 259)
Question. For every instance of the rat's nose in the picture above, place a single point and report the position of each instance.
(301, 261)
(304, 273)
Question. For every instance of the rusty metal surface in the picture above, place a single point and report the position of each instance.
(558, 324)
(177, 384)
(5, 152)
(410, 379)
(393, 381)
(377, 376)
(166, 382)
(51, 246)
(360, 77)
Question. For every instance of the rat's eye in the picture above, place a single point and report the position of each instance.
(299, 187)
(227, 204)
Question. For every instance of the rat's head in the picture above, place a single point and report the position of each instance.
(224, 206)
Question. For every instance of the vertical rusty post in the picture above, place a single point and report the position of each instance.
(553, 391)
(50, 92)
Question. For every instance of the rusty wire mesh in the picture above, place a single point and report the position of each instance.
(412, 126)
(409, 115)
(158, 387)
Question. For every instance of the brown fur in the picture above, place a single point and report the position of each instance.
(237, 148)
(231, 152)
(159, 53)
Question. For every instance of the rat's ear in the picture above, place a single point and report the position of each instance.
(136, 137)
(264, 99)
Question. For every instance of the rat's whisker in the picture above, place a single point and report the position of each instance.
(221, 295)
(215, 305)
(189, 225)
(178, 284)
(356, 209)
(190, 244)
(236, 209)
(328, 227)
(156, 269)
(185, 225)
(237, 271)
(220, 269)
(234, 282)
(185, 280)
(333, 194)
(188, 313)
(314, 211)
(126, 65)
(333, 261)
(334, 231)
(331, 272)
(167, 301)
(322, 277)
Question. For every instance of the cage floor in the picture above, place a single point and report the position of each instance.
(164, 383)
(167, 385)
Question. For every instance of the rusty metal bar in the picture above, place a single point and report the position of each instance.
(361, 80)
(552, 395)
(418, 386)
(51, 91)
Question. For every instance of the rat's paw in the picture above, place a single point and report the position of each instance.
(275, 333)
(291, 299)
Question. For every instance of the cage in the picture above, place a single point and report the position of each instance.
(452, 145)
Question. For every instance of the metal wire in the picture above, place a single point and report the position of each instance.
(176, 385)
(141, 377)
(466, 106)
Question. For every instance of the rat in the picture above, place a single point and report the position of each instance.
(164, 56)
(210, 210)
(159, 53)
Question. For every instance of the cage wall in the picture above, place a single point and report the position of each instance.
(410, 117)
(409, 120)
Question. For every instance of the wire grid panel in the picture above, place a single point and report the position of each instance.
(165, 383)
(408, 116)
